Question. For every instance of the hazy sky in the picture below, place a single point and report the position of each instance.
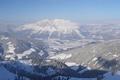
(77, 10)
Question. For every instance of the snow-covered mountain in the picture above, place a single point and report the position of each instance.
(60, 50)
(61, 29)
(53, 29)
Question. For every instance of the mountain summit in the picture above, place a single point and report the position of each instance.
(53, 29)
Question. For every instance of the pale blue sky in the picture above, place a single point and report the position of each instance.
(77, 10)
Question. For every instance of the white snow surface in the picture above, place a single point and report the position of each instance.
(71, 64)
(61, 56)
(11, 47)
(4, 38)
(25, 53)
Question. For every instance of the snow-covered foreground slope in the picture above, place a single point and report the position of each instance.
(109, 76)
(5, 74)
